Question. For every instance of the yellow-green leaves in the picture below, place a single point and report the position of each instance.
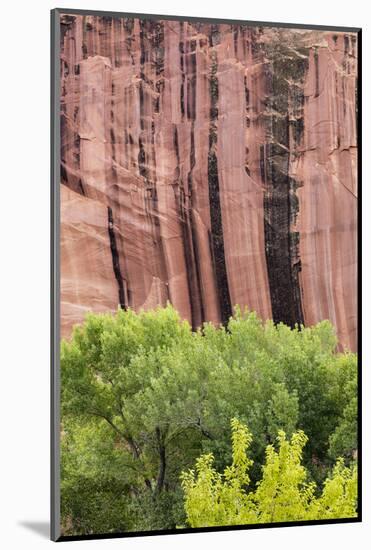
(220, 499)
(339, 494)
(283, 494)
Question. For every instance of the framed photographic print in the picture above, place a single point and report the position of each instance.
(205, 278)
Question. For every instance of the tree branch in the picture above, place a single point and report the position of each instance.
(128, 439)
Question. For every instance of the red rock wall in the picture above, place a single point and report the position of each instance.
(208, 165)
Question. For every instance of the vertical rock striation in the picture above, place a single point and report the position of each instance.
(208, 165)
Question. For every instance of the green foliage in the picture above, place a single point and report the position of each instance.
(143, 396)
(343, 441)
(93, 484)
(283, 494)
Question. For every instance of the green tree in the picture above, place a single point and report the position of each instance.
(126, 374)
(144, 393)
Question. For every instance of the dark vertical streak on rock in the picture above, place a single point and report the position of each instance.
(280, 244)
(217, 238)
(284, 120)
(124, 292)
(128, 25)
(190, 249)
(142, 45)
(151, 56)
(116, 260)
(316, 72)
(247, 110)
(346, 68)
(70, 138)
(159, 61)
(84, 46)
(346, 44)
(117, 25)
(183, 188)
(143, 137)
(191, 80)
(196, 291)
(67, 24)
(235, 30)
(158, 47)
(181, 52)
(196, 253)
(112, 137)
(183, 213)
(81, 188)
(262, 163)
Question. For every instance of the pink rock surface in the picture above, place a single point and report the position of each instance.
(86, 262)
(208, 165)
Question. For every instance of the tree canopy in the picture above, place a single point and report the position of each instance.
(143, 396)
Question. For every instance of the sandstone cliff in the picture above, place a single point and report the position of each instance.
(208, 165)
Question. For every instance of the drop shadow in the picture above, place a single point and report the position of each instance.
(42, 528)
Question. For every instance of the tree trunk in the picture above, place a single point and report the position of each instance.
(162, 467)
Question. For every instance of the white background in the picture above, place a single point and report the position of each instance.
(24, 257)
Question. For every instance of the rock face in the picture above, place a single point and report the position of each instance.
(208, 165)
